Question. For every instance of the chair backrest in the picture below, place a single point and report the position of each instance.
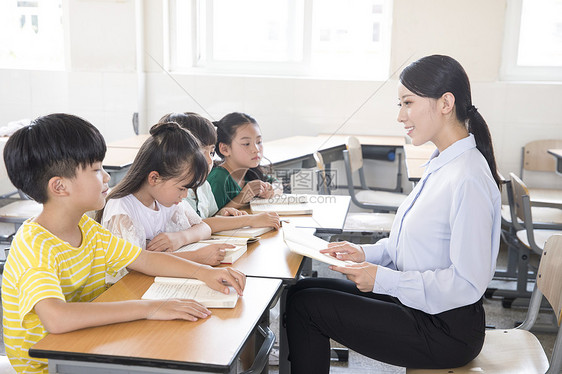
(520, 192)
(549, 276)
(322, 182)
(535, 155)
(355, 153)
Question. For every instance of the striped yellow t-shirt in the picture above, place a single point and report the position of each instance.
(41, 266)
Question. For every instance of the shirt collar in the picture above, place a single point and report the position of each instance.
(450, 153)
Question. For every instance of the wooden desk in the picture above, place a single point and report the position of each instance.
(132, 142)
(415, 157)
(301, 148)
(146, 346)
(557, 153)
(117, 159)
(271, 258)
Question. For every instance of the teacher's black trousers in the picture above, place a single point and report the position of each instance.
(376, 326)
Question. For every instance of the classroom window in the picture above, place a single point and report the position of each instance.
(319, 38)
(31, 34)
(533, 40)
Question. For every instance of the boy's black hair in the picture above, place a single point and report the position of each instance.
(52, 145)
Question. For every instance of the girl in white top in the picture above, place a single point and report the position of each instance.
(202, 199)
(415, 299)
(147, 209)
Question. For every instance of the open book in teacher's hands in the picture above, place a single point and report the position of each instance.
(303, 242)
(165, 288)
(232, 254)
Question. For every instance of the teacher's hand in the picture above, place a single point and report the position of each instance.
(345, 251)
(363, 275)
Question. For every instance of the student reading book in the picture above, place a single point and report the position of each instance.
(201, 198)
(239, 177)
(59, 258)
(147, 209)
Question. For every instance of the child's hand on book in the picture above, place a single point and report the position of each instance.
(227, 211)
(265, 219)
(345, 251)
(220, 279)
(189, 310)
(211, 254)
(252, 189)
(268, 191)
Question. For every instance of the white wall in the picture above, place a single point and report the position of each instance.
(101, 84)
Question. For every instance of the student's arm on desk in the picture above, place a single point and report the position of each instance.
(168, 265)
(58, 316)
(171, 241)
(222, 223)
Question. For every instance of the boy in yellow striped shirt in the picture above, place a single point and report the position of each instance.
(58, 260)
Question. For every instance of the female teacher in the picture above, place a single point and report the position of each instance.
(415, 299)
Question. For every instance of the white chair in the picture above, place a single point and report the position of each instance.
(518, 350)
(376, 200)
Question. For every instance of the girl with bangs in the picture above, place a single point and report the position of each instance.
(147, 209)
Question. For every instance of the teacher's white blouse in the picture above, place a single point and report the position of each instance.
(442, 249)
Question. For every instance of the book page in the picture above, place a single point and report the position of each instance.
(306, 244)
(245, 232)
(179, 288)
(237, 242)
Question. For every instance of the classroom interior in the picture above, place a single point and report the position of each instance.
(117, 56)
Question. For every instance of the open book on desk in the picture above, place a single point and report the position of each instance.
(165, 288)
(304, 243)
(245, 232)
(284, 205)
(232, 254)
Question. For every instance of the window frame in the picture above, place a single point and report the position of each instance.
(200, 53)
(510, 70)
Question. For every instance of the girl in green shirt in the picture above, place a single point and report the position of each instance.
(239, 178)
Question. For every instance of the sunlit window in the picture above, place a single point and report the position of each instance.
(533, 40)
(320, 38)
(31, 34)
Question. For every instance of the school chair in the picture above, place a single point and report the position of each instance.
(535, 158)
(358, 227)
(518, 259)
(517, 350)
(528, 240)
(531, 237)
(366, 198)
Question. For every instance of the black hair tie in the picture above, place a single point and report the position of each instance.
(471, 110)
